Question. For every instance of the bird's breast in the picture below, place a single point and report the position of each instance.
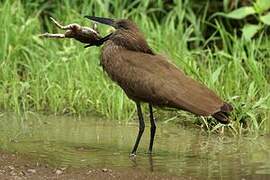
(112, 62)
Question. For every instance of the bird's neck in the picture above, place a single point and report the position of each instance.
(131, 41)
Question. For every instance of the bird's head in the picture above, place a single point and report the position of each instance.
(121, 24)
(126, 34)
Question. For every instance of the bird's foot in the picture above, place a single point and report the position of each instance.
(132, 155)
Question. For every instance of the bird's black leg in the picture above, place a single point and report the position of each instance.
(153, 129)
(141, 129)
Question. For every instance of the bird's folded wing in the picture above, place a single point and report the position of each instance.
(152, 78)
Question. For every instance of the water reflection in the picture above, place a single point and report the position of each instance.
(67, 141)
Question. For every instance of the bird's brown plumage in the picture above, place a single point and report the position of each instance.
(148, 77)
(152, 78)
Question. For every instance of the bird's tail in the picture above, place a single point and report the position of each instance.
(223, 115)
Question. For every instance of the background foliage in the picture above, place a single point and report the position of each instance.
(62, 77)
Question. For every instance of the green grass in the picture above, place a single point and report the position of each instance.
(60, 76)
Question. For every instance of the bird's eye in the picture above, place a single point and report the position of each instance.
(122, 26)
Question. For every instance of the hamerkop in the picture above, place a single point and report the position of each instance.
(147, 77)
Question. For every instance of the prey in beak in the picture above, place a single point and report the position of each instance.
(82, 34)
(106, 21)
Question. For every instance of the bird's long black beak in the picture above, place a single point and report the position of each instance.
(102, 20)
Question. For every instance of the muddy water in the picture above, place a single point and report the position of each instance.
(97, 143)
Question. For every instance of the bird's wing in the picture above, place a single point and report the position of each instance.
(152, 78)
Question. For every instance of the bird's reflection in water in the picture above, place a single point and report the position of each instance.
(151, 162)
(135, 164)
(134, 161)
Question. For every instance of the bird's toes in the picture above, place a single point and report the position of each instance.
(132, 155)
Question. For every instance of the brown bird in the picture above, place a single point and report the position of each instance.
(147, 77)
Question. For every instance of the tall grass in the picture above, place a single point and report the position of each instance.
(63, 77)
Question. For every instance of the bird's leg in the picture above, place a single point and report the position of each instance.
(152, 129)
(141, 129)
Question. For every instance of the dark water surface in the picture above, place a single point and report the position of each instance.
(96, 143)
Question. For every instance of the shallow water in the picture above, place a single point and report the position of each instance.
(97, 143)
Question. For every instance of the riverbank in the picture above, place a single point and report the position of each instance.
(19, 167)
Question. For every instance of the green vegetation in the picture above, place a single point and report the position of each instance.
(62, 77)
(259, 7)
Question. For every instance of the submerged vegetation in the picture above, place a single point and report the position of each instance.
(63, 77)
